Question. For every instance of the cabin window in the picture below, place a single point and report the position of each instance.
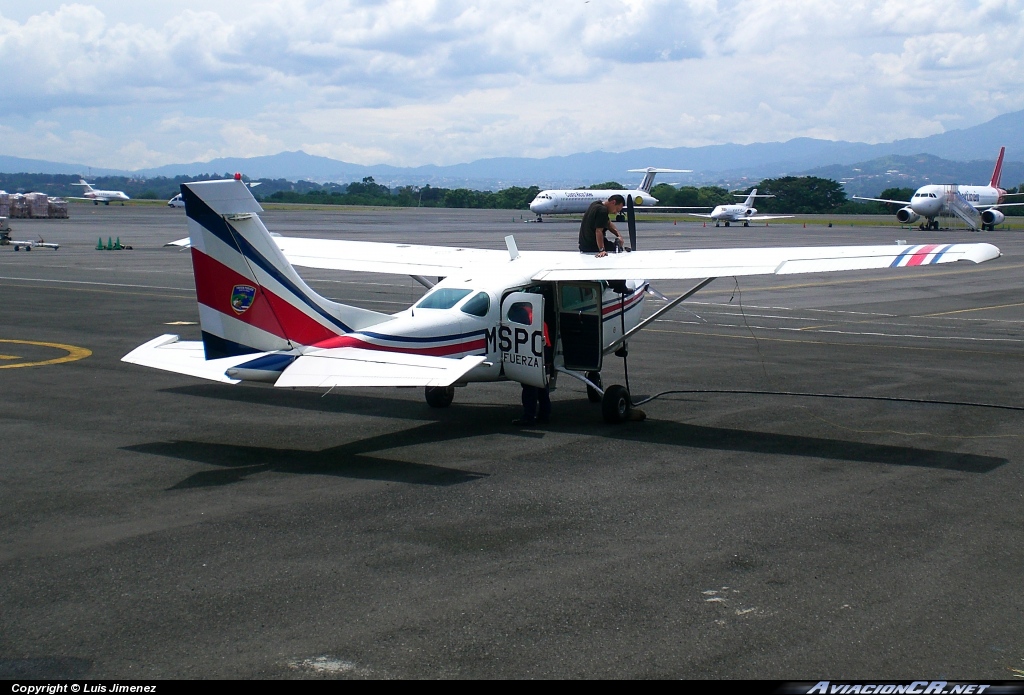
(478, 305)
(521, 313)
(444, 298)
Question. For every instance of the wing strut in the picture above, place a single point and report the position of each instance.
(643, 324)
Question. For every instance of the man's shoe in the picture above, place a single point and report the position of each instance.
(543, 420)
(524, 422)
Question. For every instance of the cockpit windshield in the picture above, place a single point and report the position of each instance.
(444, 298)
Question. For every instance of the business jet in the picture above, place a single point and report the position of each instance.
(739, 212)
(97, 196)
(484, 321)
(578, 200)
(975, 205)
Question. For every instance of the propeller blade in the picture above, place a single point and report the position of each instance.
(631, 221)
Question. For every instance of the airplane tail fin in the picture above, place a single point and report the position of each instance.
(250, 297)
(86, 186)
(651, 172)
(997, 173)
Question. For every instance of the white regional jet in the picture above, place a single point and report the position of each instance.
(485, 321)
(965, 202)
(98, 197)
(578, 200)
(739, 212)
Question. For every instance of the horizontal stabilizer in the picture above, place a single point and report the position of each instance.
(357, 367)
(185, 357)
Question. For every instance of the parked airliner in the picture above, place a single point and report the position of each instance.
(578, 200)
(975, 205)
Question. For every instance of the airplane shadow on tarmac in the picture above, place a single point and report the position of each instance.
(352, 460)
(357, 460)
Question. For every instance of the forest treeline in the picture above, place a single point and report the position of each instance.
(792, 194)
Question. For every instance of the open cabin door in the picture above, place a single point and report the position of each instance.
(580, 325)
(521, 338)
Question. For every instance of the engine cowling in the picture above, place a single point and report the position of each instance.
(992, 217)
(907, 215)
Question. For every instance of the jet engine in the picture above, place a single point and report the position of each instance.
(907, 215)
(992, 217)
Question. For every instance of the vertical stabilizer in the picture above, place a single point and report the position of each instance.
(250, 297)
(751, 198)
(997, 173)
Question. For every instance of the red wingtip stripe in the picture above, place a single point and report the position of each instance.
(919, 256)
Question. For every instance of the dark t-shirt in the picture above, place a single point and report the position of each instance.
(596, 217)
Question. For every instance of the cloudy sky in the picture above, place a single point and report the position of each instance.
(131, 85)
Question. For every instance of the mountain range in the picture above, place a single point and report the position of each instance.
(954, 156)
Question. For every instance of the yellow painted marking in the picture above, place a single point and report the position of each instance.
(74, 353)
(9, 357)
(980, 308)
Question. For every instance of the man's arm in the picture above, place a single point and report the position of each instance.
(599, 239)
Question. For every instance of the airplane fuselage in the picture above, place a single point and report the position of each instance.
(732, 213)
(106, 196)
(930, 201)
(574, 201)
(440, 324)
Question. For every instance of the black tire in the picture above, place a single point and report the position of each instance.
(726, 223)
(615, 405)
(592, 394)
(28, 248)
(439, 396)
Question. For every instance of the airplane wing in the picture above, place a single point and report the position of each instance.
(414, 259)
(762, 218)
(704, 263)
(882, 200)
(998, 205)
(348, 366)
(377, 257)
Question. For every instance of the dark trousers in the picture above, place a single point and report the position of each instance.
(536, 403)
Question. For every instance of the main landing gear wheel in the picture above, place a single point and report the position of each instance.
(746, 224)
(616, 405)
(727, 223)
(593, 395)
(439, 396)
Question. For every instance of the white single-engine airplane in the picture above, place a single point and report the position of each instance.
(98, 197)
(485, 321)
(965, 202)
(739, 212)
(578, 200)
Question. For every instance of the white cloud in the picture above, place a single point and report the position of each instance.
(413, 82)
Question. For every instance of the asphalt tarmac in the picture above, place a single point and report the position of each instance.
(157, 526)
